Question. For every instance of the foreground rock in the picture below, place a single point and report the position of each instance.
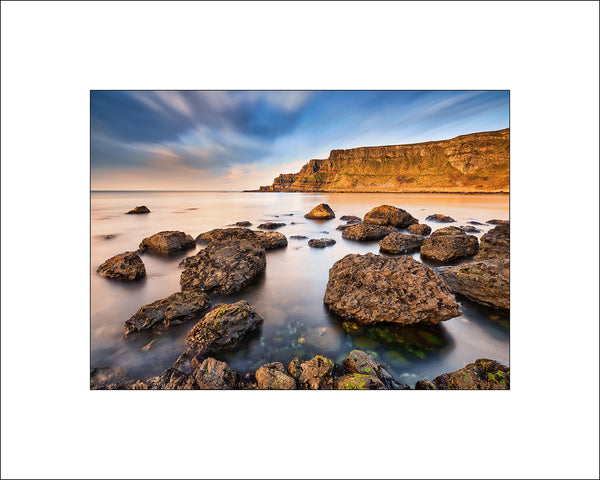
(315, 374)
(351, 219)
(400, 243)
(215, 375)
(484, 374)
(482, 282)
(273, 376)
(126, 266)
(172, 379)
(440, 218)
(138, 210)
(498, 222)
(223, 267)
(391, 216)
(172, 310)
(267, 240)
(168, 243)
(361, 363)
(271, 225)
(419, 229)
(108, 378)
(321, 242)
(449, 244)
(321, 212)
(495, 244)
(364, 232)
(372, 289)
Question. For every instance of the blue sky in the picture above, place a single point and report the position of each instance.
(233, 140)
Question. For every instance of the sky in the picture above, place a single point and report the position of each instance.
(236, 140)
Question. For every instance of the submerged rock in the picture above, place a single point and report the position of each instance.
(224, 267)
(484, 374)
(138, 210)
(321, 212)
(400, 243)
(365, 232)
(469, 229)
(267, 240)
(215, 375)
(448, 244)
(299, 237)
(495, 244)
(321, 242)
(126, 266)
(322, 339)
(440, 218)
(172, 310)
(388, 215)
(273, 376)
(168, 243)
(419, 229)
(271, 225)
(473, 222)
(108, 237)
(361, 363)
(372, 289)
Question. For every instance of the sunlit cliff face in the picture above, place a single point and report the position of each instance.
(234, 140)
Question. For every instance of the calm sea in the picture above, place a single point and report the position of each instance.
(289, 295)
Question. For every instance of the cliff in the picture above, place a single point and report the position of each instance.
(477, 162)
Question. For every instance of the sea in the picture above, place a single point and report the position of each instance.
(289, 294)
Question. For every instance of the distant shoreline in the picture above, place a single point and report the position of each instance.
(380, 191)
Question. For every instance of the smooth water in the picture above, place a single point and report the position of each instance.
(289, 294)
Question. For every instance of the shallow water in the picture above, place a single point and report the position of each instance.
(289, 294)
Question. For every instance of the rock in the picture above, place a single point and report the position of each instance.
(167, 243)
(225, 327)
(223, 267)
(322, 339)
(267, 240)
(351, 219)
(358, 362)
(173, 310)
(446, 245)
(139, 210)
(273, 376)
(484, 374)
(469, 229)
(172, 379)
(482, 282)
(321, 212)
(440, 218)
(388, 215)
(498, 222)
(321, 242)
(244, 223)
(473, 222)
(344, 226)
(357, 381)
(372, 289)
(215, 375)
(108, 237)
(110, 378)
(271, 225)
(400, 243)
(294, 368)
(125, 266)
(495, 244)
(365, 232)
(419, 229)
(316, 374)
(299, 237)
(325, 232)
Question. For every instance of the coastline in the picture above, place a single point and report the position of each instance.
(411, 192)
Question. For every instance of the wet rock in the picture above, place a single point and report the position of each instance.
(168, 243)
(316, 374)
(357, 381)
(359, 362)
(139, 210)
(299, 237)
(498, 222)
(321, 242)
(365, 232)
(172, 310)
(271, 240)
(484, 374)
(215, 375)
(172, 379)
(322, 339)
(325, 232)
(419, 229)
(351, 219)
(108, 237)
(273, 376)
(267, 240)
(353, 328)
(111, 378)
(495, 244)
(271, 225)
(448, 244)
(294, 368)
(482, 282)
(223, 267)
(321, 212)
(440, 218)
(244, 223)
(469, 229)
(473, 222)
(372, 289)
(391, 216)
(408, 341)
(126, 266)
(344, 226)
(248, 382)
(400, 243)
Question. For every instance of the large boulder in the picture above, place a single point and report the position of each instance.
(271, 225)
(360, 363)
(212, 374)
(273, 376)
(449, 244)
(267, 240)
(168, 243)
(138, 210)
(321, 212)
(400, 243)
(440, 218)
(482, 282)
(365, 232)
(321, 242)
(223, 267)
(125, 266)
(388, 215)
(172, 310)
(484, 374)
(315, 374)
(419, 229)
(495, 244)
(372, 289)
